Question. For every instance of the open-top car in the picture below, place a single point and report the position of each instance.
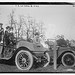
(24, 54)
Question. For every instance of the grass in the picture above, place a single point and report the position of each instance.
(12, 68)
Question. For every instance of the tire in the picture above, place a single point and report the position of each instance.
(68, 59)
(24, 60)
(48, 59)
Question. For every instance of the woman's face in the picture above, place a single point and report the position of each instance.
(37, 36)
(7, 30)
(11, 30)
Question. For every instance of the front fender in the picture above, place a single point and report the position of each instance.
(26, 44)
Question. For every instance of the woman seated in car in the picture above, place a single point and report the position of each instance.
(37, 38)
(6, 36)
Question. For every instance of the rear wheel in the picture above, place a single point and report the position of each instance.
(24, 60)
(68, 59)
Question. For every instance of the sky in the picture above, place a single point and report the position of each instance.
(58, 19)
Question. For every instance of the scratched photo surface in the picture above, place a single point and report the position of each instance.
(37, 38)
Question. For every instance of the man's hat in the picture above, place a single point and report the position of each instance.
(8, 27)
(1, 23)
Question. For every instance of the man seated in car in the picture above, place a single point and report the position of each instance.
(61, 41)
(1, 33)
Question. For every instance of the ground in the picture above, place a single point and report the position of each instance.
(5, 67)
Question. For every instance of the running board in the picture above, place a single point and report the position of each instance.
(4, 58)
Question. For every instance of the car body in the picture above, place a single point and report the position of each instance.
(25, 53)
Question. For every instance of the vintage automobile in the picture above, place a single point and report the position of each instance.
(25, 54)
(64, 55)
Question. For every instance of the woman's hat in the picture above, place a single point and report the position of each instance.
(37, 33)
(8, 27)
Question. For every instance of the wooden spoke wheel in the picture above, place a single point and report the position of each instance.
(47, 57)
(24, 60)
(68, 59)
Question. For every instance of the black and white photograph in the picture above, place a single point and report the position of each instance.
(37, 37)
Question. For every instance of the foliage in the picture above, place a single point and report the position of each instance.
(26, 26)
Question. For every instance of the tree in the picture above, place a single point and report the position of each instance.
(11, 18)
(18, 29)
(31, 26)
(26, 26)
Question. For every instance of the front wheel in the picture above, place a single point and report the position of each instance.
(47, 57)
(68, 60)
(24, 60)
